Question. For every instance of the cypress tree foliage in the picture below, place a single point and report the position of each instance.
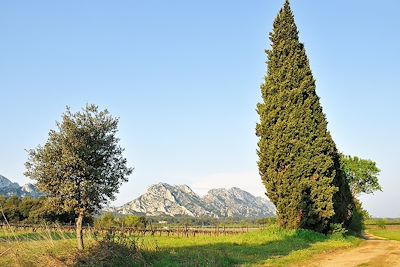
(298, 160)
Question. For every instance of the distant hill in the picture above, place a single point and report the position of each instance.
(180, 200)
(8, 188)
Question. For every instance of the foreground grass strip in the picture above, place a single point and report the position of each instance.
(270, 247)
(273, 246)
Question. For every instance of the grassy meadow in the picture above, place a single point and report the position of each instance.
(268, 247)
(391, 232)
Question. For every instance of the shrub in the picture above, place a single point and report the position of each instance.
(337, 229)
(359, 216)
(381, 223)
(134, 221)
(266, 221)
(107, 220)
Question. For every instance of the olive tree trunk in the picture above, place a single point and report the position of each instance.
(79, 236)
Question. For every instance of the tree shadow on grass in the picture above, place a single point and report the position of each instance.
(216, 254)
(227, 254)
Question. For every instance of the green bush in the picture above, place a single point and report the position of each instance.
(266, 221)
(359, 216)
(381, 223)
(134, 221)
(108, 220)
(337, 229)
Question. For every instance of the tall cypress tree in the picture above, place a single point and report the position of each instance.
(298, 160)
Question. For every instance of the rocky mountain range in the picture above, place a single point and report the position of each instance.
(166, 200)
(163, 199)
(8, 188)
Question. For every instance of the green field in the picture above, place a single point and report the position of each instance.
(269, 247)
(391, 232)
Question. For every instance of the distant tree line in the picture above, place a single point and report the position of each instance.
(108, 220)
(35, 211)
(27, 210)
(208, 221)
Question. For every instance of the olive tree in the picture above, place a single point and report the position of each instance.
(80, 167)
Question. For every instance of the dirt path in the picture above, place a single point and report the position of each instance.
(374, 251)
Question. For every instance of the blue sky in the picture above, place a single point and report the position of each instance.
(184, 76)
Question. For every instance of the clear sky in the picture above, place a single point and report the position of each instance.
(184, 76)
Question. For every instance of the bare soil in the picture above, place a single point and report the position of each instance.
(374, 251)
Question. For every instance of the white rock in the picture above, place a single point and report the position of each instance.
(165, 199)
